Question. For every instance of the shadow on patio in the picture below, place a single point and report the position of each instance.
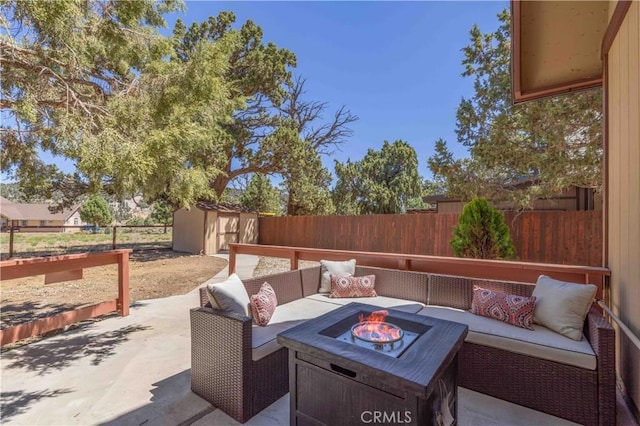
(18, 402)
(171, 399)
(59, 353)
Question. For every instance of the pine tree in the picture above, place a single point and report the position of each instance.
(162, 213)
(382, 182)
(96, 212)
(482, 233)
(261, 196)
(556, 141)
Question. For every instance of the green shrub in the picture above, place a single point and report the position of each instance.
(95, 211)
(482, 233)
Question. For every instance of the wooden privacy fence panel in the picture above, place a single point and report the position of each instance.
(549, 237)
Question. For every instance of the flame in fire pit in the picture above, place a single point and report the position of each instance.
(374, 329)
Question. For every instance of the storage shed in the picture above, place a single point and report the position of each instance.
(208, 228)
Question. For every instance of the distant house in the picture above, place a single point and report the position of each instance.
(573, 198)
(35, 217)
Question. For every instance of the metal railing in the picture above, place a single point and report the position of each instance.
(625, 329)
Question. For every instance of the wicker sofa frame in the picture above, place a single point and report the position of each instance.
(223, 372)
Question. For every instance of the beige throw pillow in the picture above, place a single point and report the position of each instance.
(562, 306)
(230, 296)
(328, 268)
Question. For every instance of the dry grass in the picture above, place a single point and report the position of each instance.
(28, 244)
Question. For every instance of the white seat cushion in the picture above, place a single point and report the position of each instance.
(382, 301)
(263, 339)
(540, 343)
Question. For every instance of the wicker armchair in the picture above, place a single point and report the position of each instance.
(222, 369)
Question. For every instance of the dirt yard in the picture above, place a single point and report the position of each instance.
(152, 274)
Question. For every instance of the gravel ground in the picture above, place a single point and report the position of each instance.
(273, 265)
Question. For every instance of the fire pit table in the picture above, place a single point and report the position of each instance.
(362, 364)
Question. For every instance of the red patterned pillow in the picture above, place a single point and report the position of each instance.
(349, 286)
(514, 310)
(263, 304)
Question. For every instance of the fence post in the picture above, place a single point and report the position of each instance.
(11, 242)
(232, 259)
(113, 244)
(294, 259)
(123, 284)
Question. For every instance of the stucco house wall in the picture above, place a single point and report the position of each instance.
(622, 89)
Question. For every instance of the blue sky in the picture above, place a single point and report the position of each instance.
(396, 65)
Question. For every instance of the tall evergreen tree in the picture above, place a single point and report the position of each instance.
(556, 141)
(382, 182)
(306, 183)
(306, 180)
(256, 74)
(261, 196)
(63, 62)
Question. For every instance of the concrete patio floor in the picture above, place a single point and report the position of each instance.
(136, 371)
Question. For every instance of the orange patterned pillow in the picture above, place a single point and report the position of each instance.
(263, 304)
(349, 286)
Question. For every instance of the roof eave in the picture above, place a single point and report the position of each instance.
(523, 94)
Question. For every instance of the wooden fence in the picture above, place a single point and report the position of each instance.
(74, 230)
(526, 272)
(66, 268)
(573, 238)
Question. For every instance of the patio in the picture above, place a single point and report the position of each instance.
(136, 370)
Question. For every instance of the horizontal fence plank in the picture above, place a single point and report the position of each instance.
(54, 322)
(571, 238)
(20, 268)
(526, 272)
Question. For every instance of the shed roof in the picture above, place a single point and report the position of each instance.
(433, 199)
(223, 207)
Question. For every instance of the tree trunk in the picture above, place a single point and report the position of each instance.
(219, 185)
(291, 207)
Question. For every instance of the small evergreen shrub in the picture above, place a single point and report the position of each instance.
(95, 211)
(482, 233)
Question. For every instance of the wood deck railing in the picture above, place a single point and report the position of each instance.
(473, 268)
(62, 268)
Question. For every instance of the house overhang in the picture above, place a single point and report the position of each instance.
(556, 46)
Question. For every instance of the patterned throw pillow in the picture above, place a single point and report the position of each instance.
(349, 286)
(514, 310)
(328, 268)
(263, 304)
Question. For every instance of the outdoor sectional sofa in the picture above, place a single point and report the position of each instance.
(240, 368)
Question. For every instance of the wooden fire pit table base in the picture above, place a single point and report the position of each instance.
(335, 382)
